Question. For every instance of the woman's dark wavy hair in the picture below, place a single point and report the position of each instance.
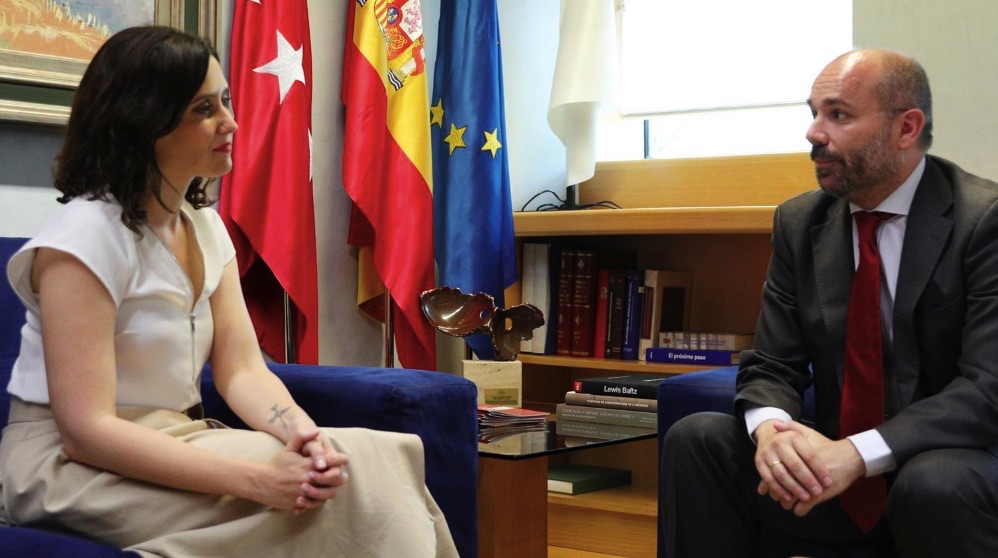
(135, 91)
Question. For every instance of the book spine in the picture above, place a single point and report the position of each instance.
(551, 320)
(632, 314)
(566, 281)
(691, 356)
(583, 294)
(650, 314)
(615, 314)
(709, 341)
(611, 402)
(528, 275)
(600, 313)
(606, 416)
(568, 427)
(607, 386)
(706, 340)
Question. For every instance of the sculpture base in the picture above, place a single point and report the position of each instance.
(499, 382)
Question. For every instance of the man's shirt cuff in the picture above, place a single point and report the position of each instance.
(875, 452)
(758, 415)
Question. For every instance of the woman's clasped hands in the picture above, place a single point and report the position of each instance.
(304, 475)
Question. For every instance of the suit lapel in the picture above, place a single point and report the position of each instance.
(925, 236)
(831, 244)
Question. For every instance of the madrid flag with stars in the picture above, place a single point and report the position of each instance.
(386, 161)
(266, 201)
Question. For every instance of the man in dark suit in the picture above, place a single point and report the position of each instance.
(924, 475)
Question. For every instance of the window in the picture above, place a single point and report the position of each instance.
(719, 77)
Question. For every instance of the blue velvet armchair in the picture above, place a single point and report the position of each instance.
(439, 408)
(714, 390)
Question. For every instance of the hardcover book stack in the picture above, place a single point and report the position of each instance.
(496, 422)
(598, 304)
(690, 347)
(611, 407)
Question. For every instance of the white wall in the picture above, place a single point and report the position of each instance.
(25, 208)
(529, 33)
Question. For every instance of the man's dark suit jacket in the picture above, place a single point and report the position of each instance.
(942, 376)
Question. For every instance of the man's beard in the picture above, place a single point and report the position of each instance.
(859, 171)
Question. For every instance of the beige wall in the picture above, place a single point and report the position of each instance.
(957, 45)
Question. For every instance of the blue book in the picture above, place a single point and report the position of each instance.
(691, 356)
(633, 300)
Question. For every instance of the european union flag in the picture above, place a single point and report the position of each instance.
(472, 211)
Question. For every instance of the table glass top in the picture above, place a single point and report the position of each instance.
(553, 437)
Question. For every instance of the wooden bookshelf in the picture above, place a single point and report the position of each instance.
(655, 221)
(629, 366)
(712, 217)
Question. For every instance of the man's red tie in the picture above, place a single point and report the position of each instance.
(862, 405)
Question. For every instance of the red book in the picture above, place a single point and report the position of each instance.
(563, 339)
(600, 312)
(583, 295)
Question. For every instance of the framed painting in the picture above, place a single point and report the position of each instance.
(47, 44)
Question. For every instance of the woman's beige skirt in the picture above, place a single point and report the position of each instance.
(384, 510)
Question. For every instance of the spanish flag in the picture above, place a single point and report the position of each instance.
(386, 165)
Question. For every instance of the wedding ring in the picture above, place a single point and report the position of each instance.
(775, 463)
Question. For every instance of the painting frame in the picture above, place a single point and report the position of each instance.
(53, 72)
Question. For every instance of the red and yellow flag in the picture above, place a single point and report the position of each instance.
(386, 165)
(266, 201)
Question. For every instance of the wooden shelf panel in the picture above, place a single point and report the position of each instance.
(668, 220)
(616, 521)
(633, 500)
(613, 365)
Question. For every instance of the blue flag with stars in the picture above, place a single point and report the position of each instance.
(472, 210)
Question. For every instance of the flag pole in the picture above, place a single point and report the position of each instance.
(389, 332)
(289, 332)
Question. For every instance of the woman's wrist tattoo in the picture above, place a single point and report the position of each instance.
(279, 415)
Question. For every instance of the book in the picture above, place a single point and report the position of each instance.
(565, 285)
(542, 292)
(706, 340)
(550, 339)
(528, 281)
(505, 415)
(642, 385)
(666, 295)
(583, 295)
(632, 313)
(691, 356)
(600, 312)
(579, 479)
(611, 401)
(536, 291)
(579, 433)
(493, 434)
(676, 300)
(615, 313)
(603, 415)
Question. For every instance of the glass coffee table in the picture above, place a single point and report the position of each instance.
(512, 483)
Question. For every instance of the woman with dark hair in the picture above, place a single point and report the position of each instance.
(130, 289)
